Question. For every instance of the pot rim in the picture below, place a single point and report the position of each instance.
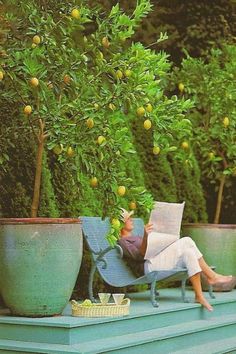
(16, 221)
(212, 226)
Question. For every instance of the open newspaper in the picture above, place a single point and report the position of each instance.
(166, 219)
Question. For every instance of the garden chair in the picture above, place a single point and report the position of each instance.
(112, 267)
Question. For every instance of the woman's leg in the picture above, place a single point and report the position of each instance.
(199, 297)
(212, 276)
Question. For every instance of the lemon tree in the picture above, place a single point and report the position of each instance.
(78, 80)
(212, 86)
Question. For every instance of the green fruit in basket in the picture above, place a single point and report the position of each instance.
(87, 302)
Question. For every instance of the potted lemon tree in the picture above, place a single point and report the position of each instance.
(211, 85)
(74, 78)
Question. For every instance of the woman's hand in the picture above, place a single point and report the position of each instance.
(148, 228)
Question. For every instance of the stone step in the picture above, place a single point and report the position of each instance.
(215, 347)
(179, 337)
(71, 330)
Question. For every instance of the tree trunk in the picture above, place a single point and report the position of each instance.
(38, 172)
(219, 200)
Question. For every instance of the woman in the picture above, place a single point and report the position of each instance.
(181, 253)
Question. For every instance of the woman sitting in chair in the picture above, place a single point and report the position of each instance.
(181, 253)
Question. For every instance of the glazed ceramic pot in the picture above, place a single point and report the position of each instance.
(39, 262)
(217, 242)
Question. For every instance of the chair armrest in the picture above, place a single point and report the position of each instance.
(108, 249)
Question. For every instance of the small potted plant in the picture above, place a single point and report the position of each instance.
(74, 78)
(211, 85)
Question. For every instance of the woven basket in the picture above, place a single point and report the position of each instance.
(99, 310)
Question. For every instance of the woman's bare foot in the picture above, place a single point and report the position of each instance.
(204, 303)
(219, 279)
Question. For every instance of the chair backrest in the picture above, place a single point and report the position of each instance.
(113, 268)
(167, 217)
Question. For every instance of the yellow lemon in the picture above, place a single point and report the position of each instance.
(34, 81)
(185, 145)
(28, 110)
(132, 205)
(147, 124)
(226, 122)
(119, 74)
(1, 75)
(181, 87)
(112, 106)
(121, 191)
(87, 302)
(75, 13)
(94, 182)
(127, 73)
(36, 40)
(156, 150)
(100, 139)
(58, 149)
(140, 111)
(115, 223)
(70, 152)
(149, 108)
(90, 123)
(105, 42)
(211, 155)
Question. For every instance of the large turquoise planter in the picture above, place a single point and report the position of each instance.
(39, 263)
(217, 242)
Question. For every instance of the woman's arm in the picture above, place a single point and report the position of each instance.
(147, 229)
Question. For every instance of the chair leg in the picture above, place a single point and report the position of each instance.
(153, 294)
(90, 284)
(210, 290)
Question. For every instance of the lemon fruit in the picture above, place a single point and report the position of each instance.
(87, 302)
(27, 110)
(75, 13)
(127, 73)
(112, 106)
(132, 205)
(140, 111)
(58, 149)
(94, 182)
(211, 155)
(181, 87)
(100, 139)
(149, 108)
(105, 42)
(36, 40)
(185, 145)
(156, 150)
(147, 124)
(70, 152)
(121, 191)
(34, 82)
(119, 74)
(115, 223)
(90, 123)
(1, 75)
(226, 122)
(96, 106)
